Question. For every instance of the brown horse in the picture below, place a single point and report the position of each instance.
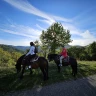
(72, 62)
(41, 63)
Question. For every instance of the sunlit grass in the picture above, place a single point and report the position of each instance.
(86, 68)
(9, 79)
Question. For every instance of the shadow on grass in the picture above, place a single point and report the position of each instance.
(9, 79)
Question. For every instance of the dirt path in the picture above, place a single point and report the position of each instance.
(79, 87)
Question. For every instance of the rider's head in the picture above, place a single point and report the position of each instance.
(31, 43)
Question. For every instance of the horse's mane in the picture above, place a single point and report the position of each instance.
(52, 54)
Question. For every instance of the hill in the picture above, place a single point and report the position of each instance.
(22, 48)
(10, 48)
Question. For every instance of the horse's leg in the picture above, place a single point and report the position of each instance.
(30, 71)
(44, 74)
(74, 71)
(46, 70)
(21, 76)
(58, 68)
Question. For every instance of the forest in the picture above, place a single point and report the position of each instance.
(9, 55)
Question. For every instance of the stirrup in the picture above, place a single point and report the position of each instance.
(60, 65)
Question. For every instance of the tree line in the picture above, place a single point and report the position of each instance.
(83, 53)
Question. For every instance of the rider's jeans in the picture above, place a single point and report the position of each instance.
(61, 59)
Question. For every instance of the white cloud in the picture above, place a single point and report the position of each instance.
(21, 30)
(87, 35)
(72, 28)
(87, 38)
(82, 42)
(61, 18)
(46, 21)
(21, 42)
(27, 7)
(38, 26)
(28, 33)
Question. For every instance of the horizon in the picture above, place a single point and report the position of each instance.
(22, 21)
(29, 45)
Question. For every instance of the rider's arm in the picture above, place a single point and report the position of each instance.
(30, 51)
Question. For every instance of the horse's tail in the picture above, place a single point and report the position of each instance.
(46, 69)
(76, 66)
(73, 63)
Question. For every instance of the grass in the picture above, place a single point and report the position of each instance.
(9, 79)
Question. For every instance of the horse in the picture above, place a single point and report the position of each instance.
(41, 63)
(70, 61)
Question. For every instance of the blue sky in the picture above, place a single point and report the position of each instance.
(22, 21)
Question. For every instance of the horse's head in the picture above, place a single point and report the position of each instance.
(51, 57)
(18, 67)
(18, 63)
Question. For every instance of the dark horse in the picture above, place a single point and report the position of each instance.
(71, 61)
(41, 63)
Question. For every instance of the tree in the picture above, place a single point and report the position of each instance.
(91, 50)
(55, 36)
(36, 43)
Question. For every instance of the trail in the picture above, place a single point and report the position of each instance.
(79, 87)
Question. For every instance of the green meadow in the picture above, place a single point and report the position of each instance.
(9, 80)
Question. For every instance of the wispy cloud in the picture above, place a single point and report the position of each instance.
(21, 42)
(46, 21)
(27, 7)
(86, 39)
(86, 36)
(38, 26)
(61, 18)
(83, 18)
(26, 31)
(21, 30)
(83, 13)
(72, 28)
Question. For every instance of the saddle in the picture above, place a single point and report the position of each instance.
(34, 59)
(66, 59)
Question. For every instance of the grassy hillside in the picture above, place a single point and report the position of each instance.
(9, 55)
(10, 48)
(9, 80)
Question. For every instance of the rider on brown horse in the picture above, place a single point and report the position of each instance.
(30, 55)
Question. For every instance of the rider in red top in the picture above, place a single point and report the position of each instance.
(63, 55)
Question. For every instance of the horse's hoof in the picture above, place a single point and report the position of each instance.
(31, 73)
(75, 78)
(47, 78)
(21, 77)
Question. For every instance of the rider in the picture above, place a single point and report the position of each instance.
(31, 54)
(63, 54)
